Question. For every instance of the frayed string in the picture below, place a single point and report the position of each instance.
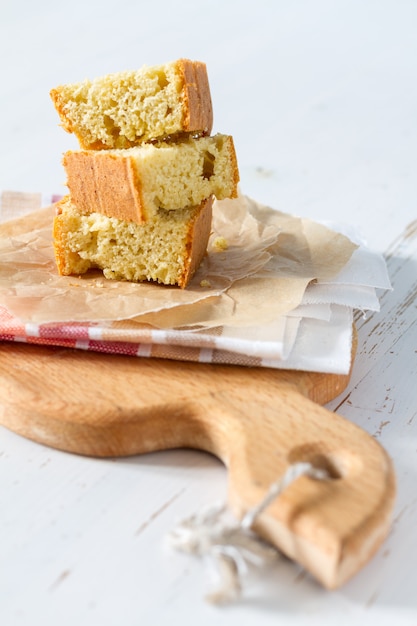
(230, 546)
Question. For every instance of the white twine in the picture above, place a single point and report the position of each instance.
(230, 546)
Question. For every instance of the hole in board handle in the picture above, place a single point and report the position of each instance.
(337, 463)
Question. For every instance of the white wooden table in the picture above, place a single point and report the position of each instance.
(321, 98)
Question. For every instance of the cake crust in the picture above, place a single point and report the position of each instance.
(198, 108)
(197, 239)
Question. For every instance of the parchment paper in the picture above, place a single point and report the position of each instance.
(263, 273)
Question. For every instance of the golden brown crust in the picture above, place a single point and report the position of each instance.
(68, 263)
(197, 241)
(59, 103)
(235, 166)
(198, 108)
(105, 183)
(58, 239)
(58, 245)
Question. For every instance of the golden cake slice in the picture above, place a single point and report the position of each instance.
(167, 249)
(134, 184)
(125, 109)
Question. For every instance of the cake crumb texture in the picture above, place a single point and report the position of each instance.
(167, 249)
(127, 108)
(133, 184)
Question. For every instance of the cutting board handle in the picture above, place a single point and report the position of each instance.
(257, 422)
(332, 527)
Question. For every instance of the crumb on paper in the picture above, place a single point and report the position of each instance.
(220, 243)
(205, 283)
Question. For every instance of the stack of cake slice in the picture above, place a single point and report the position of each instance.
(142, 185)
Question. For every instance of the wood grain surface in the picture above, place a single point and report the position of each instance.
(257, 421)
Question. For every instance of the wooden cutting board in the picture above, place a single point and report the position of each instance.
(257, 421)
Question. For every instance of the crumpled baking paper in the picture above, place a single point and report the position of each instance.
(280, 295)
